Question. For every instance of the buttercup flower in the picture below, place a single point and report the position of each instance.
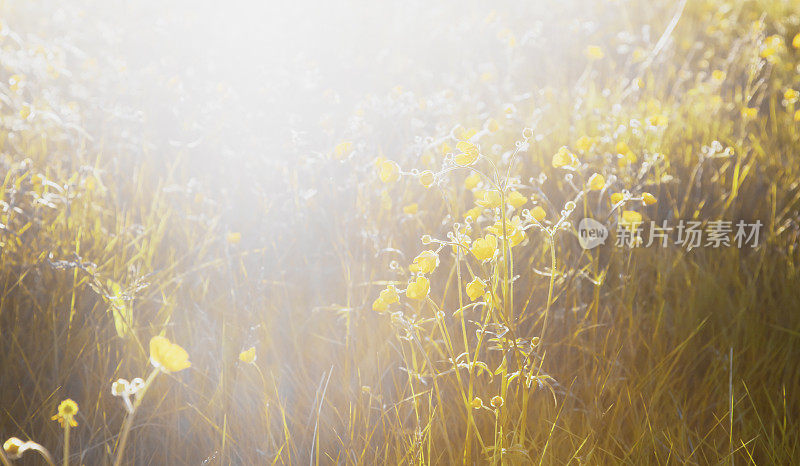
(120, 388)
(14, 448)
(387, 297)
(564, 158)
(538, 213)
(796, 41)
(748, 113)
(648, 199)
(473, 213)
(419, 288)
(489, 199)
(389, 171)
(616, 198)
(15, 82)
(658, 119)
(497, 401)
(168, 356)
(594, 52)
(597, 182)
(248, 356)
(469, 153)
(342, 149)
(472, 181)
(584, 144)
(630, 219)
(476, 403)
(476, 288)
(425, 262)
(65, 416)
(484, 248)
(465, 133)
(427, 178)
(513, 230)
(516, 199)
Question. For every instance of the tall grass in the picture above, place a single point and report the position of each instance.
(117, 227)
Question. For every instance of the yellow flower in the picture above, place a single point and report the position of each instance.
(627, 159)
(14, 448)
(489, 199)
(648, 199)
(584, 144)
(233, 237)
(473, 213)
(538, 213)
(472, 180)
(493, 125)
(771, 46)
(476, 403)
(388, 296)
(564, 158)
(168, 356)
(791, 96)
(248, 356)
(465, 133)
(718, 75)
(342, 150)
(389, 171)
(484, 248)
(630, 219)
(65, 416)
(419, 288)
(594, 52)
(468, 155)
(657, 120)
(516, 199)
(425, 262)
(497, 401)
(25, 111)
(748, 113)
(616, 198)
(597, 182)
(120, 388)
(411, 209)
(796, 41)
(15, 82)
(476, 288)
(427, 178)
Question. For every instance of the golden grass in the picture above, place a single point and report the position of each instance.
(111, 235)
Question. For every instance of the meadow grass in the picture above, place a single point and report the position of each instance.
(316, 331)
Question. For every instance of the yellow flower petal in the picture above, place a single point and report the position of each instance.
(168, 356)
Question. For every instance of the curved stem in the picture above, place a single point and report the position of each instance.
(126, 427)
(42, 451)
